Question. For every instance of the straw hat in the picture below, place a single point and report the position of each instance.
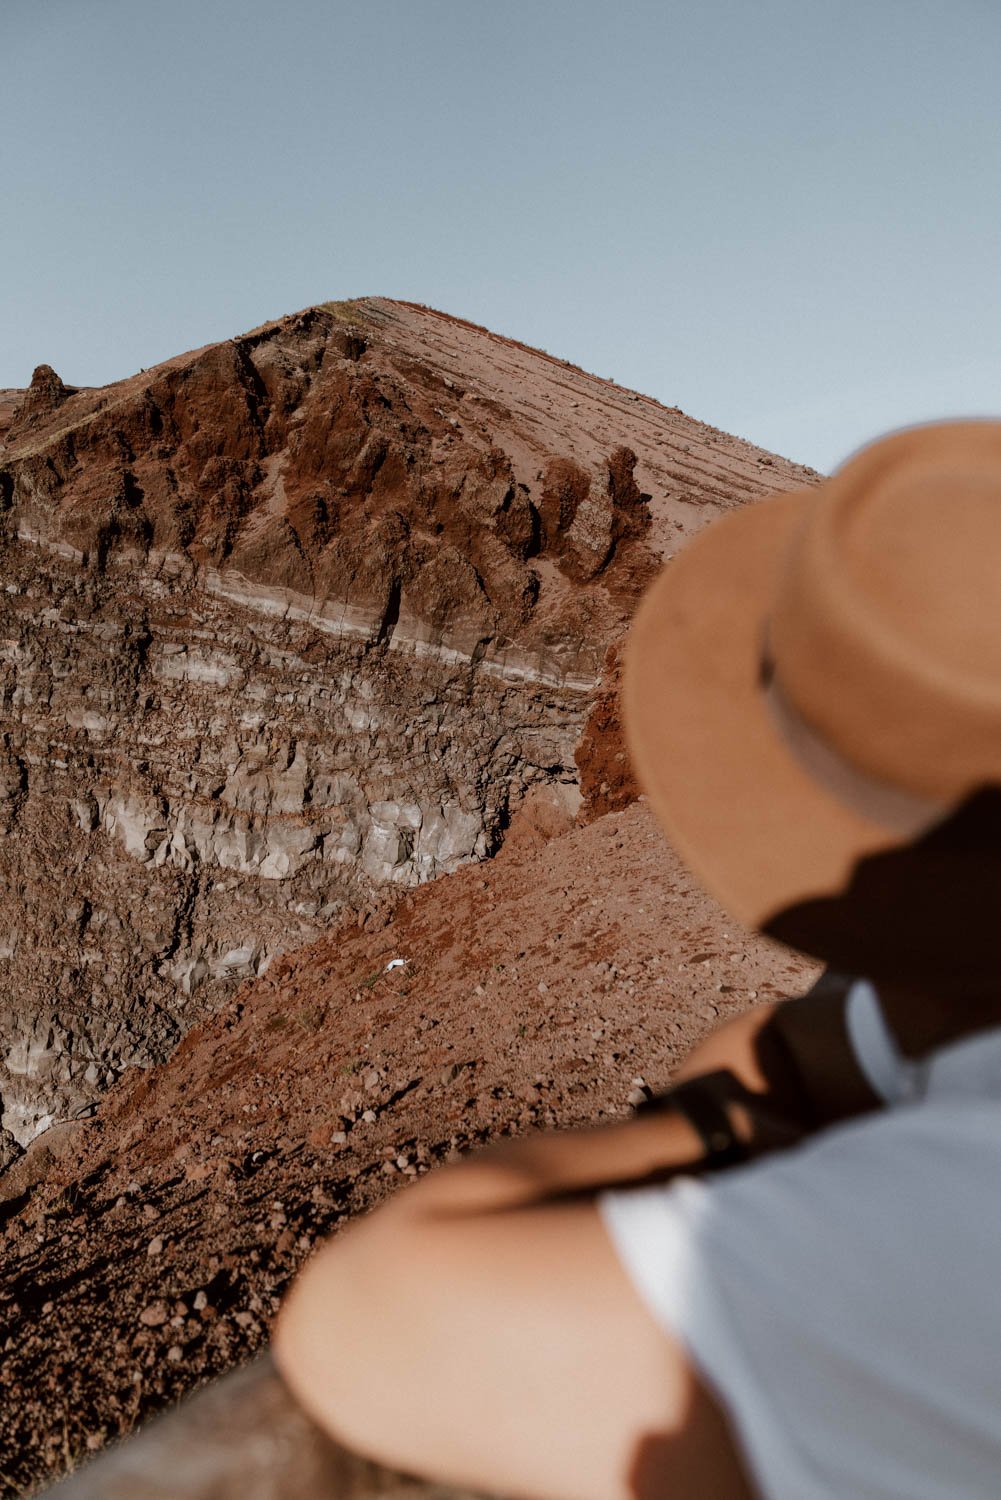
(816, 679)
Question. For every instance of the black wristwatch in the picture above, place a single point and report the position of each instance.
(707, 1117)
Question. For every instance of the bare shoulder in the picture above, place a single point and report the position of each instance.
(504, 1351)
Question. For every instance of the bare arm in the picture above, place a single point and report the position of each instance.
(501, 1348)
(561, 1164)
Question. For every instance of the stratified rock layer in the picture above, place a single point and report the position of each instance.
(284, 622)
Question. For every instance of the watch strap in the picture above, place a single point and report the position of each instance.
(707, 1117)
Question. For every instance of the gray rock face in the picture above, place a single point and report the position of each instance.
(243, 1438)
(189, 786)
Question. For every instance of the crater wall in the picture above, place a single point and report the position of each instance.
(286, 624)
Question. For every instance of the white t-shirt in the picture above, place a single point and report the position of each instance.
(843, 1299)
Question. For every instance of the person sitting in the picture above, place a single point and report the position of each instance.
(779, 1280)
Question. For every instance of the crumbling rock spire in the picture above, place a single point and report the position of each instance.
(44, 395)
(46, 386)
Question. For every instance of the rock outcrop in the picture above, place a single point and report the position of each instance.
(285, 623)
(43, 398)
(244, 1438)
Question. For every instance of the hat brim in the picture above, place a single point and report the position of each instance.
(755, 828)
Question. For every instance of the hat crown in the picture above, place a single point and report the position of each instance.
(886, 628)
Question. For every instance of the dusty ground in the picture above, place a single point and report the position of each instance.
(536, 989)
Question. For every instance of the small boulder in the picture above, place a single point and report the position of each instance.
(155, 1315)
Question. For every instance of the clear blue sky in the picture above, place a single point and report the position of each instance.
(783, 215)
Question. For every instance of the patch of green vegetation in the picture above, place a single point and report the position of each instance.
(65, 1202)
(368, 981)
(352, 1066)
(311, 1017)
(348, 311)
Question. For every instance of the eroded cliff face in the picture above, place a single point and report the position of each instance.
(286, 623)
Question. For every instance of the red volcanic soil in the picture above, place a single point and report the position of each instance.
(10, 400)
(537, 989)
